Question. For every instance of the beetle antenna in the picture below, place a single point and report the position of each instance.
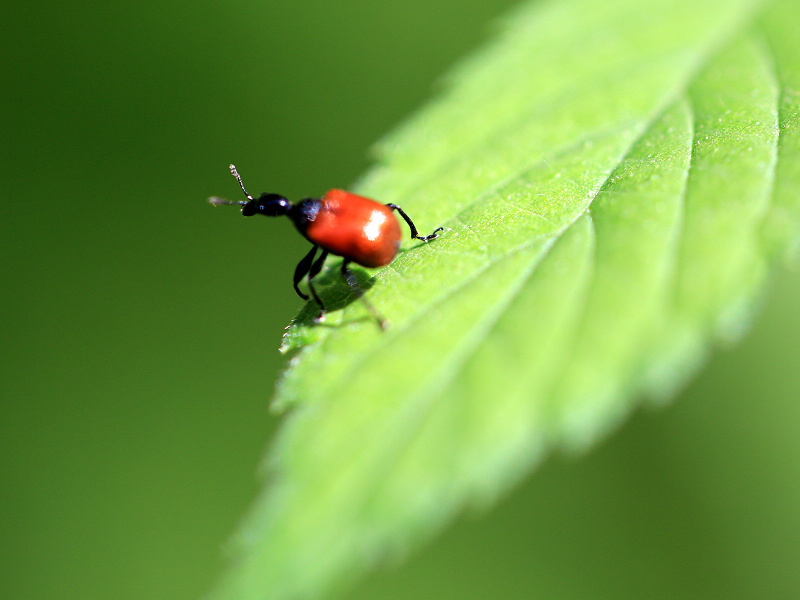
(235, 173)
(216, 201)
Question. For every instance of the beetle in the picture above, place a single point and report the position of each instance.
(358, 229)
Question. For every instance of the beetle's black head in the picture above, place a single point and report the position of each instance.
(269, 205)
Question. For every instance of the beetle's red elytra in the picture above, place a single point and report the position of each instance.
(355, 227)
(358, 229)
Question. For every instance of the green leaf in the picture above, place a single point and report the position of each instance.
(615, 178)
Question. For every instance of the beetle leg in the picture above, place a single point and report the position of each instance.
(351, 280)
(303, 267)
(414, 233)
(313, 272)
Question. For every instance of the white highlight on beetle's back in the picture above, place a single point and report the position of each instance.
(373, 227)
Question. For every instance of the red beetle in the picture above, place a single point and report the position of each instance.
(356, 228)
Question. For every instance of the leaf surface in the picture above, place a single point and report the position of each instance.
(615, 178)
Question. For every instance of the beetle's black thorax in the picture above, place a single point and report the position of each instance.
(304, 212)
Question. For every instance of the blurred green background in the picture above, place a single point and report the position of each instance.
(141, 326)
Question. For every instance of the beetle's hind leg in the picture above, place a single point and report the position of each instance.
(414, 233)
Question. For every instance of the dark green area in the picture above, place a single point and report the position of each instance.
(141, 326)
